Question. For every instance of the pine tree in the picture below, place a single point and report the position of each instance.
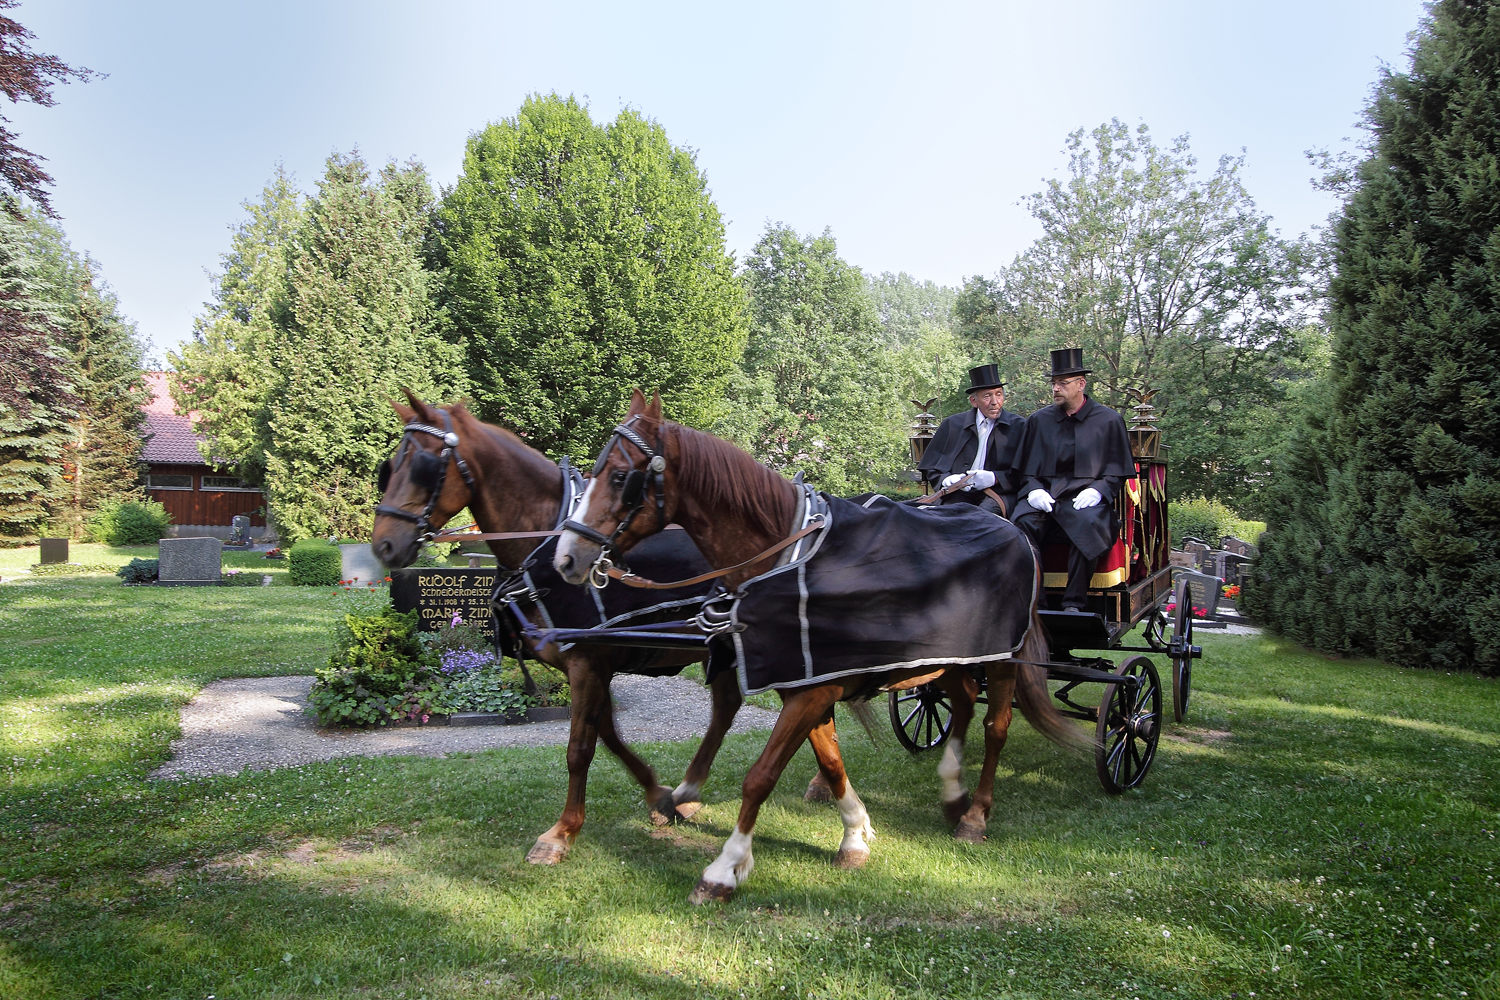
(37, 395)
(324, 313)
(1385, 524)
(101, 463)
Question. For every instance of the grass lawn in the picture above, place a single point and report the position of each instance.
(1319, 829)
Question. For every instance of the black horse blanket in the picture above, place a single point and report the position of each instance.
(886, 586)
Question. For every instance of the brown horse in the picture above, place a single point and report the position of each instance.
(509, 487)
(734, 508)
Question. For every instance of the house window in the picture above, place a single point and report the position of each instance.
(228, 483)
(160, 481)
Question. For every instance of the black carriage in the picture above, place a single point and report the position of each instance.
(1132, 587)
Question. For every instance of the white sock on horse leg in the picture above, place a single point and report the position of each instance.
(950, 770)
(734, 864)
(686, 792)
(857, 828)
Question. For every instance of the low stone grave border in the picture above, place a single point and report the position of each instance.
(553, 713)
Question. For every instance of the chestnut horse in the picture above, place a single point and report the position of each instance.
(510, 487)
(735, 508)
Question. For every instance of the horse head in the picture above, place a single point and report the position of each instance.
(424, 482)
(631, 493)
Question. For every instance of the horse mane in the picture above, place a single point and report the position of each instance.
(723, 476)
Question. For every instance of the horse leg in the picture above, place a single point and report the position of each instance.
(590, 693)
(801, 710)
(726, 705)
(1000, 679)
(963, 692)
(817, 789)
(658, 796)
(854, 850)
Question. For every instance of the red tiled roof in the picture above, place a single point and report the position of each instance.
(172, 438)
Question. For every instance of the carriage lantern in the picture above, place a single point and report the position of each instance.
(922, 428)
(1145, 436)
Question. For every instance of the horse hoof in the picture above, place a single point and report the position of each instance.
(544, 853)
(851, 859)
(954, 811)
(710, 892)
(685, 811)
(969, 832)
(818, 790)
(663, 811)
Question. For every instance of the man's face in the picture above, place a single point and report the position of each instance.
(989, 402)
(1068, 392)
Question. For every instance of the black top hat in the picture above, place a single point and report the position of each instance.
(1068, 361)
(984, 377)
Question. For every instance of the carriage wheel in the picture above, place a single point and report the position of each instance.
(1128, 727)
(1182, 661)
(921, 717)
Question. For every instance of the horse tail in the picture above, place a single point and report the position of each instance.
(1032, 696)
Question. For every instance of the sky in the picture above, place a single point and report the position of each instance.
(912, 131)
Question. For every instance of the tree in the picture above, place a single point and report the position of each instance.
(818, 391)
(26, 76)
(38, 399)
(1166, 281)
(908, 307)
(322, 316)
(579, 261)
(101, 463)
(1385, 515)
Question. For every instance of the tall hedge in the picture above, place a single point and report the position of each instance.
(1384, 527)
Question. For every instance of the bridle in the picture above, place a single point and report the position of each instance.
(427, 470)
(635, 484)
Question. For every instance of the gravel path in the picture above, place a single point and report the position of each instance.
(259, 722)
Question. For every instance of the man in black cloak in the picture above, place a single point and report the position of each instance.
(955, 450)
(1073, 459)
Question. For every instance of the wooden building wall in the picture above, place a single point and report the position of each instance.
(200, 506)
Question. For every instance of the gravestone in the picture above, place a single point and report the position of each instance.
(1239, 547)
(1198, 550)
(360, 564)
(190, 562)
(1185, 559)
(438, 594)
(238, 525)
(54, 550)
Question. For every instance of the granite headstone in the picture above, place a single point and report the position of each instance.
(190, 561)
(439, 593)
(360, 564)
(54, 550)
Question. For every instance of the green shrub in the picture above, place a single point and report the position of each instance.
(378, 672)
(130, 523)
(68, 569)
(1209, 520)
(138, 571)
(315, 563)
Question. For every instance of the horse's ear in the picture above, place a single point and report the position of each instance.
(419, 408)
(637, 403)
(654, 410)
(406, 413)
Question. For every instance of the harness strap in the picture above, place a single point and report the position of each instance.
(631, 580)
(934, 498)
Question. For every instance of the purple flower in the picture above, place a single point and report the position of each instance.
(462, 661)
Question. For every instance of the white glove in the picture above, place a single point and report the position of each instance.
(950, 480)
(983, 479)
(1087, 498)
(1041, 500)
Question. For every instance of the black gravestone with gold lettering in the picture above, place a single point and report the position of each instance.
(439, 593)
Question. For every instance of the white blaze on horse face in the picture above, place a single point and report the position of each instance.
(567, 545)
(734, 864)
(857, 829)
(950, 770)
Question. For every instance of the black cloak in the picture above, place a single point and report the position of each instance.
(953, 447)
(1101, 460)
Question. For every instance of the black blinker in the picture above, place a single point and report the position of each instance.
(635, 484)
(425, 467)
(383, 476)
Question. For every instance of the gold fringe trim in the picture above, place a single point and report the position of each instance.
(1113, 578)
